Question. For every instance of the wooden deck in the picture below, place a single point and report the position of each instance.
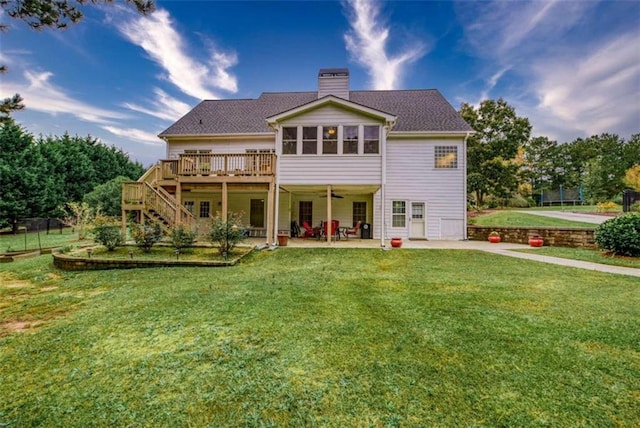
(218, 165)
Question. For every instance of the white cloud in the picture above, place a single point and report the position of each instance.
(42, 95)
(135, 134)
(367, 44)
(156, 34)
(596, 93)
(165, 106)
(569, 73)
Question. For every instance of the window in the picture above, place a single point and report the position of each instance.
(193, 152)
(309, 140)
(446, 157)
(398, 214)
(189, 206)
(289, 141)
(330, 140)
(350, 140)
(372, 139)
(359, 212)
(305, 212)
(205, 209)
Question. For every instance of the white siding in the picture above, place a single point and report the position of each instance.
(330, 115)
(334, 85)
(412, 177)
(219, 147)
(330, 169)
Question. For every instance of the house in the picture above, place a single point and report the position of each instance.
(395, 161)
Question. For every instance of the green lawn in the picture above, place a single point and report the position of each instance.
(34, 241)
(586, 255)
(517, 219)
(321, 337)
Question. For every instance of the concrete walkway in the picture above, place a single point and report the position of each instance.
(502, 249)
(567, 215)
(568, 262)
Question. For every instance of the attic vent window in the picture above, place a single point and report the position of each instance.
(333, 74)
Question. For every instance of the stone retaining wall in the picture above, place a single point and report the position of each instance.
(553, 236)
(66, 262)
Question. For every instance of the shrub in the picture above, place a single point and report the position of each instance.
(146, 235)
(620, 235)
(78, 215)
(66, 249)
(106, 231)
(182, 237)
(603, 207)
(635, 207)
(227, 233)
(518, 201)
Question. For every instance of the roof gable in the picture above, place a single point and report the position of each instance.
(331, 100)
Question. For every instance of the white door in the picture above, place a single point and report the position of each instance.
(417, 220)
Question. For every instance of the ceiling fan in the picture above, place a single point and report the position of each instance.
(333, 195)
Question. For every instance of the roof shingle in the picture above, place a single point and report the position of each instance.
(417, 110)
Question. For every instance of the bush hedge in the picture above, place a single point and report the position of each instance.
(146, 235)
(620, 235)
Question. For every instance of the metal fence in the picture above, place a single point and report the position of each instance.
(27, 234)
(562, 196)
(629, 197)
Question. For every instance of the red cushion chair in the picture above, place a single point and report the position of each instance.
(353, 231)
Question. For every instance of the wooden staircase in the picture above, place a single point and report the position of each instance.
(155, 203)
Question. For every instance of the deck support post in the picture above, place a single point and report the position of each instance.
(225, 201)
(178, 201)
(329, 223)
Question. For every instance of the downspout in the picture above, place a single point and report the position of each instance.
(383, 202)
(465, 236)
(276, 203)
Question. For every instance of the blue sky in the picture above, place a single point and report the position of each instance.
(571, 67)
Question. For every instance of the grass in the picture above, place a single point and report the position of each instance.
(586, 255)
(321, 337)
(31, 241)
(518, 219)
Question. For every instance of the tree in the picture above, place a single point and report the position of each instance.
(604, 172)
(632, 177)
(491, 151)
(10, 104)
(40, 14)
(79, 164)
(78, 215)
(107, 197)
(37, 177)
(23, 188)
(540, 166)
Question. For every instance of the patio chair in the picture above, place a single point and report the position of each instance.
(353, 231)
(309, 232)
(335, 225)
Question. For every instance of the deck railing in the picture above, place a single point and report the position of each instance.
(207, 164)
(133, 193)
(148, 198)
